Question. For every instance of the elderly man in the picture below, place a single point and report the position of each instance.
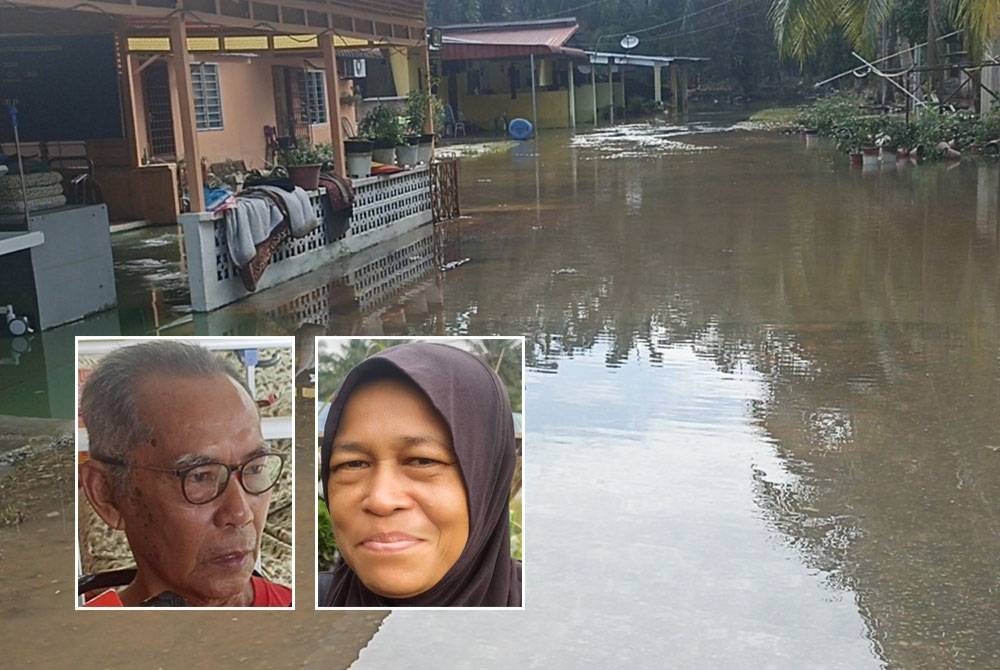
(171, 425)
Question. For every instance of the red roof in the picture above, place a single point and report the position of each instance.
(500, 40)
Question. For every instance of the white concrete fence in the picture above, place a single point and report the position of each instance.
(384, 207)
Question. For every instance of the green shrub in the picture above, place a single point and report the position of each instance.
(381, 126)
(305, 153)
(895, 133)
(327, 543)
(988, 128)
(827, 113)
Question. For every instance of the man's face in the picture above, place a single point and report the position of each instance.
(204, 553)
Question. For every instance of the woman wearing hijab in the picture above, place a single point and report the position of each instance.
(417, 460)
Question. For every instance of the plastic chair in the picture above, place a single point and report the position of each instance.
(453, 125)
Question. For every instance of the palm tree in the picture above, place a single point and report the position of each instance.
(801, 26)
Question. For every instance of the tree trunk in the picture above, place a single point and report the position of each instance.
(932, 49)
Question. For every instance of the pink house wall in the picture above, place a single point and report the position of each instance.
(247, 106)
(247, 88)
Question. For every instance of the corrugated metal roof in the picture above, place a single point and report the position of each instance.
(506, 40)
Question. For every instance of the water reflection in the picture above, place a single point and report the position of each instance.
(867, 305)
(392, 289)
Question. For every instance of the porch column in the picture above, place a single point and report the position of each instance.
(534, 95)
(572, 96)
(674, 91)
(593, 89)
(189, 133)
(624, 101)
(333, 103)
(684, 88)
(657, 85)
(611, 90)
(429, 121)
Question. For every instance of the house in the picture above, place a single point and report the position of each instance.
(136, 90)
(489, 70)
(145, 95)
(493, 72)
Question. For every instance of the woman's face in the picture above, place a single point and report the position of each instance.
(397, 501)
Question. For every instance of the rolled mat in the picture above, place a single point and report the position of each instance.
(17, 207)
(11, 182)
(32, 192)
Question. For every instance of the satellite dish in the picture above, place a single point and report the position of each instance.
(630, 42)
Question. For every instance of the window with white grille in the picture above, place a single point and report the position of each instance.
(207, 96)
(312, 93)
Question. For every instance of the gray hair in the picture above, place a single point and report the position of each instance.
(108, 402)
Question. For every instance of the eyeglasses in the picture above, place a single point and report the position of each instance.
(204, 483)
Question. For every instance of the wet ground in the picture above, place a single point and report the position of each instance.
(761, 413)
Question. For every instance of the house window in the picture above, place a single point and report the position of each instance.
(312, 93)
(207, 97)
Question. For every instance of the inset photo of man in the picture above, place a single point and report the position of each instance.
(184, 495)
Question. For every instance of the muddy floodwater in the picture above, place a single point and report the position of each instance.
(762, 401)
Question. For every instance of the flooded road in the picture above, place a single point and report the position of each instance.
(762, 405)
(762, 398)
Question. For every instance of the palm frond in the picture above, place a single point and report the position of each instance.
(863, 20)
(801, 26)
(981, 21)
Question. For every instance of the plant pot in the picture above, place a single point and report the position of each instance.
(406, 154)
(358, 146)
(949, 152)
(856, 158)
(358, 156)
(425, 149)
(386, 155)
(902, 154)
(305, 176)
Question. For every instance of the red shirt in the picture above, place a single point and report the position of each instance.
(265, 594)
(269, 594)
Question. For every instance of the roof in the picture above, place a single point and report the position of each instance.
(507, 40)
(623, 58)
(382, 22)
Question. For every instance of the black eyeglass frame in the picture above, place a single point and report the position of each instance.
(182, 473)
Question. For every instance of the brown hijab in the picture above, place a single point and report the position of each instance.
(473, 402)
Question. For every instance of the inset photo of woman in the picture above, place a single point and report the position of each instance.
(419, 462)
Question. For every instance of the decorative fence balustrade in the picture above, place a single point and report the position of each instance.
(384, 207)
(444, 189)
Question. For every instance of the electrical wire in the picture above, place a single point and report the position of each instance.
(687, 33)
(571, 9)
(667, 23)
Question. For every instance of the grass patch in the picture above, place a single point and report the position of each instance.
(777, 115)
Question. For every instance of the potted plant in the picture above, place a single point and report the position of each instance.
(408, 153)
(895, 136)
(304, 162)
(381, 126)
(849, 137)
(358, 156)
(870, 128)
(417, 104)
